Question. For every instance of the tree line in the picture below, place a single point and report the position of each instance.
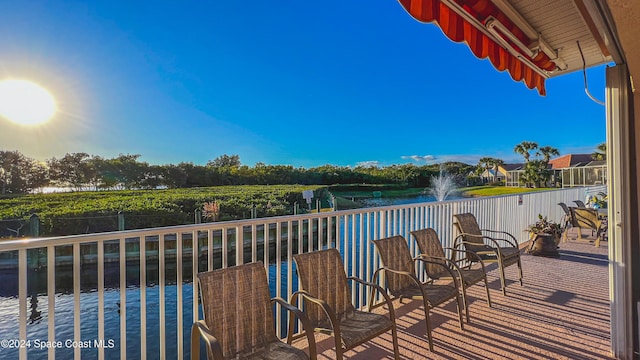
(82, 171)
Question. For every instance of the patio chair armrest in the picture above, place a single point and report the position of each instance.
(459, 240)
(470, 235)
(512, 239)
(333, 319)
(425, 256)
(199, 329)
(475, 256)
(496, 243)
(398, 272)
(367, 283)
(434, 259)
(378, 288)
(448, 269)
(482, 237)
(492, 240)
(306, 325)
(465, 251)
(489, 249)
(442, 260)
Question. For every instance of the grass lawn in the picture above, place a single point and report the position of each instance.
(498, 190)
(473, 191)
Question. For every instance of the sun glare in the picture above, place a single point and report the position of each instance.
(25, 103)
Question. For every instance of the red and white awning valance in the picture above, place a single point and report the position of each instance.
(490, 34)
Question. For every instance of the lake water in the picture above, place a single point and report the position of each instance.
(382, 201)
(37, 316)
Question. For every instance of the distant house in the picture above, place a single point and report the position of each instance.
(512, 174)
(504, 173)
(489, 175)
(578, 170)
(571, 160)
(591, 173)
(568, 171)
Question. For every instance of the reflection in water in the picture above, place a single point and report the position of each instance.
(35, 314)
(38, 317)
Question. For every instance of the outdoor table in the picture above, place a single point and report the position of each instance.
(603, 213)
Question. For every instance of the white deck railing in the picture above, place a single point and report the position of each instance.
(81, 310)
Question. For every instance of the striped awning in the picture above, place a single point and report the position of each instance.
(470, 21)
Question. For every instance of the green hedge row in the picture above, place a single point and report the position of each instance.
(88, 212)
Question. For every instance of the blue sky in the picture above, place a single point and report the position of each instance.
(298, 83)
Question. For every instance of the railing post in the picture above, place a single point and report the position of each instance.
(120, 221)
(34, 225)
(254, 212)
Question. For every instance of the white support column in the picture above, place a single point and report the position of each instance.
(620, 221)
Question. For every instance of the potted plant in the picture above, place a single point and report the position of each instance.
(545, 237)
(598, 203)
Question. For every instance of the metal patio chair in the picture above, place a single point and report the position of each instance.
(501, 247)
(326, 299)
(431, 249)
(580, 203)
(403, 283)
(566, 221)
(589, 219)
(238, 317)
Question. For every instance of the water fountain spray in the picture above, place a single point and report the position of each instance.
(442, 185)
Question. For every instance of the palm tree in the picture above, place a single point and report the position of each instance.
(496, 164)
(524, 149)
(485, 163)
(546, 152)
(601, 152)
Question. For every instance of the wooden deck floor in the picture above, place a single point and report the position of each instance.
(561, 312)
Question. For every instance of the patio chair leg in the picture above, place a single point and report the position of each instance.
(520, 271)
(195, 342)
(339, 355)
(371, 296)
(459, 302)
(428, 322)
(503, 282)
(394, 335)
(486, 286)
(464, 299)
